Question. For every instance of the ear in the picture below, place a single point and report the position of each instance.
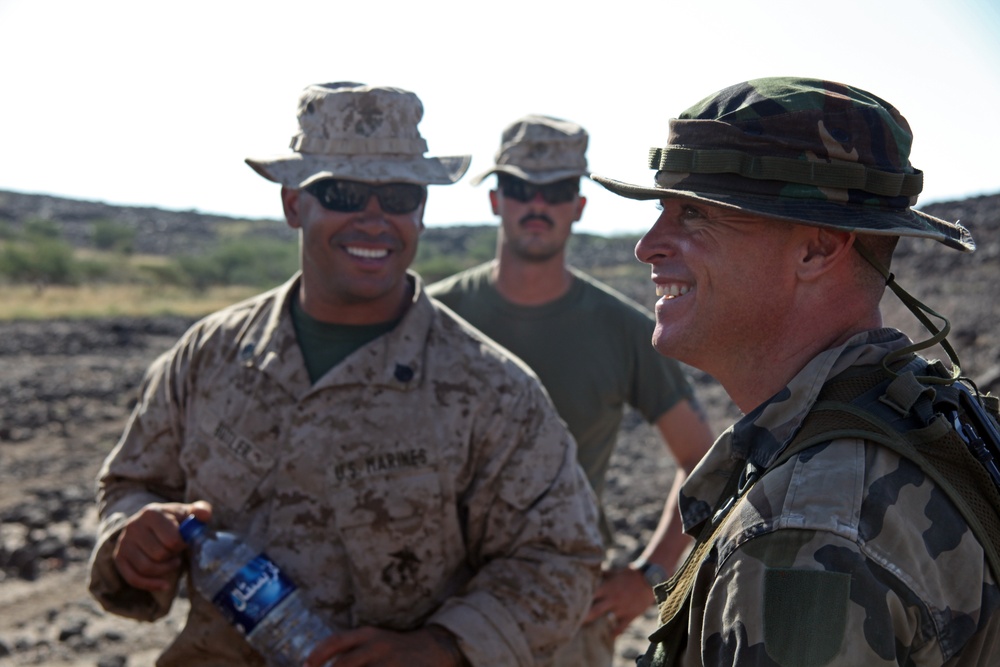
(495, 202)
(823, 249)
(290, 204)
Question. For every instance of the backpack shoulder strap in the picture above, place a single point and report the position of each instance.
(674, 595)
(904, 418)
(866, 403)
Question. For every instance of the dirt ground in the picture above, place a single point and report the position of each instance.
(66, 388)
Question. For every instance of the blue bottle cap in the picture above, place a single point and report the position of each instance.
(191, 527)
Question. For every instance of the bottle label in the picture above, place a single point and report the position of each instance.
(255, 590)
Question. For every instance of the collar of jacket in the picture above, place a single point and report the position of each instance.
(762, 434)
(391, 361)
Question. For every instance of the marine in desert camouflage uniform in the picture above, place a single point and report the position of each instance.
(412, 476)
(845, 554)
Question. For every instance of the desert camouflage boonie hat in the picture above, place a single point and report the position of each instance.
(540, 149)
(804, 150)
(359, 132)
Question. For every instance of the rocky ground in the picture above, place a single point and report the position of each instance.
(66, 388)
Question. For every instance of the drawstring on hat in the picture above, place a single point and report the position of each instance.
(938, 336)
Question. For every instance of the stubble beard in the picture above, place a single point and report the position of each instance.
(535, 252)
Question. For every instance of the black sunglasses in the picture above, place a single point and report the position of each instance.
(342, 196)
(521, 190)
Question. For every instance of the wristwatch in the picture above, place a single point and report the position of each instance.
(651, 572)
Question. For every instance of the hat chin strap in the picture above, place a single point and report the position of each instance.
(919, 310)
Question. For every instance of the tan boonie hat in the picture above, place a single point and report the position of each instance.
(359, 132)
(540, 149)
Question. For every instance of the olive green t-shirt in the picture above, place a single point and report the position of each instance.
(325, 345)
(591, 348)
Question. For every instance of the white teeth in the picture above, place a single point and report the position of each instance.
(672, 290)
(367, 253)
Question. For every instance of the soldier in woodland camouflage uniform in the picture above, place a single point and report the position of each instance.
(846, 554)
(410, 474)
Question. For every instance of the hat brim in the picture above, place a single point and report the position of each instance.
(299, 170)
(818, 213)
(537, 177)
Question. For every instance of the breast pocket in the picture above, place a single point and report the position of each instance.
(225, 468)
(402, 544)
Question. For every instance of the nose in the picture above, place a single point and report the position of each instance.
(373, 204)
(538, 199)
(657, 242)
(372, 212)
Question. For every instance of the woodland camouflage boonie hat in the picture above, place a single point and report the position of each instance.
(804, 150)
(359, 132)
(540, 149)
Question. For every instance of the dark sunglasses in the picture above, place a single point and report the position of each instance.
(342, 196)
(521, 190)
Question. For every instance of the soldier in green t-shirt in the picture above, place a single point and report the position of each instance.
(589, 345)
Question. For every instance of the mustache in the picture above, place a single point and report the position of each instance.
(537, 216)
(352, 238)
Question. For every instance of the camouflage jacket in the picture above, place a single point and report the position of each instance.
(424, 479)
(846, 554)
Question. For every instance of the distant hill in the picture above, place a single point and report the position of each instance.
(158, 231)
(960, 286)
(172, 233)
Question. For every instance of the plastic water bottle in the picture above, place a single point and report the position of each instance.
(253, 594)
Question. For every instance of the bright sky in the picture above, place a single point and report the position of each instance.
(154, 103)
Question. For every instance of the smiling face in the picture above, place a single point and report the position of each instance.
(353, 264)
(725, 280)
